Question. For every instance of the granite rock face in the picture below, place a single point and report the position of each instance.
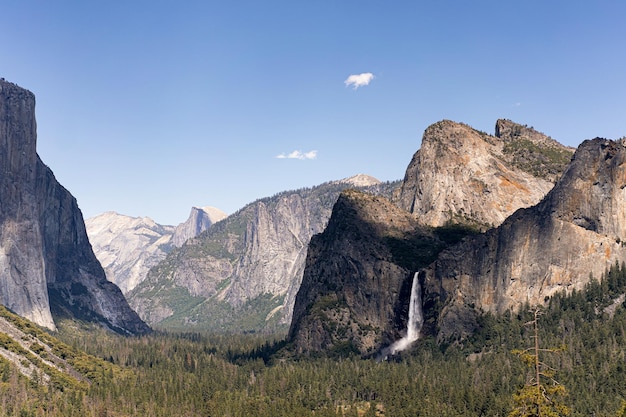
(575, 232)
(199, 220)
(47, 266)
(461, 175)
(127, 247)
(244, 272)
(355, 290)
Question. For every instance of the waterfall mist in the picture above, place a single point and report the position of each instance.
(414, 323)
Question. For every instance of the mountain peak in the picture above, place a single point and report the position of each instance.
(360, 180)
(462, 175)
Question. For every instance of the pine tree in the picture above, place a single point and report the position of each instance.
(538, 398)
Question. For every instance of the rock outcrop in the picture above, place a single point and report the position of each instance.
(356, 286)
(127, 247)
(576, 232)
(244, 272)
(461, 175)
(460, 181)
(47, 267)
(199, 220)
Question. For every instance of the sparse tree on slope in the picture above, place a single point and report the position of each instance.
(538, 398)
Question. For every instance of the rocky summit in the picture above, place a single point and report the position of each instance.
(462, 175)
(47, 266)
(457, 185)
(575, 233)
(127, 247)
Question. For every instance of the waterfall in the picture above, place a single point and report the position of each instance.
(414, 324)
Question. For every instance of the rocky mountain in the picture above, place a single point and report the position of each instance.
(462, 175)
(48, 266)
(243, 273)
(199, 220)
(575, 233)
(127, 247)
(459, 182)
(356, 284)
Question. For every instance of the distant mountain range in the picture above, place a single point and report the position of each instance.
(127, 247)
(242, 274)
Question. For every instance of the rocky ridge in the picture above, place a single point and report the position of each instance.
(127, 247)
(459, 182)
(243, 273)
(356, 284)
(199, 220)
(48, 267)
(574, 233)
(462, 175)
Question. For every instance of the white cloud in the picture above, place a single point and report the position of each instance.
(359, 80)
(298, 155)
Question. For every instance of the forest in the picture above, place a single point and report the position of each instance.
(179, 374)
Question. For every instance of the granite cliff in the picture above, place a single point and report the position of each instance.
(127, 247)
(356, 284)
(199, 220)
(460, 182)
(47, 266)
(575, 232)
(243, 273)
(462, 175)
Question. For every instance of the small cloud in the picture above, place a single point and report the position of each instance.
(359, 80)
(518, 104)
(298, 155)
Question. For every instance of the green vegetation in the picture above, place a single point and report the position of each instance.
(192, 374)
(546, 162)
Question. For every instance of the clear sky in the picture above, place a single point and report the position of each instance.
(150, 107)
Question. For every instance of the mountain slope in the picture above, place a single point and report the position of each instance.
(574, 233)
(243, 273)
(48, 266)
(461, 180)
(462, 175)
(199, 220)
(355, 289)
(127, 247)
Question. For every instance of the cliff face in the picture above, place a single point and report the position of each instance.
(577, 230)
(461, 175)
(199, 220)
(22, 267)
(46, 262)
(355, 290)
(244, 272)
(127, 247)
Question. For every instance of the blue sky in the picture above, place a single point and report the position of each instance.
(150, 107)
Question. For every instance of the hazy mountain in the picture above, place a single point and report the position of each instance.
(243, 273)
(127, 247)
(199, 220)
